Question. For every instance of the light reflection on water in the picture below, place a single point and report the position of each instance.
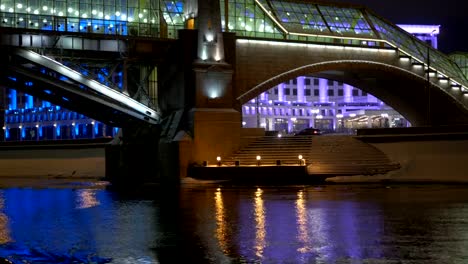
(223, 224)
(260, 232)
(4, 231)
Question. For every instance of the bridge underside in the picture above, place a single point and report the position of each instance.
(48, 83)
(421, 102)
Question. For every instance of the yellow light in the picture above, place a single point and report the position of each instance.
(218, 158)
(300, 157)
(258, 157)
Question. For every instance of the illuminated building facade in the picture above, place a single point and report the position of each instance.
(127, 17)
(326, 104)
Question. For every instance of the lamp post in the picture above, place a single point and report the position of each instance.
(258, 110)
(428, 89)
(428, 85)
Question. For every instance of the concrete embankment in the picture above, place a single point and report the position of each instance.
(82, 159)
(424, 158)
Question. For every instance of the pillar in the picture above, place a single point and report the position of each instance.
(323, 90)
(300, 88)
(281, 92)
(153, 86)
(348, 93)
(215, 124)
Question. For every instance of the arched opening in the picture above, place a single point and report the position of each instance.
(331, 106)
(342, 96)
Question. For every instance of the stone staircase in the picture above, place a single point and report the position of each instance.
(323, 155)
(271, 149)
(346, 155)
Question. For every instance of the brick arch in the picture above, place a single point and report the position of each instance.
(401, 89)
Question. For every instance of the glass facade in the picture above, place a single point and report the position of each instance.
(334, 24)
(419, 49)
(299, 21)
(123, 17)
(461, 59)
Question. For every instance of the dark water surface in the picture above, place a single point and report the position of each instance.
(87, 223)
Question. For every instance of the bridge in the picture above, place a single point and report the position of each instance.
(197, 62)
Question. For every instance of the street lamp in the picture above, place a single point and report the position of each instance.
(428, 84)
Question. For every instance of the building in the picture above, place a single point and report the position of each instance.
(326, 104)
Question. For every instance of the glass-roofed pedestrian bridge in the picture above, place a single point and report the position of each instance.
(260, 19)
(312, 23)
(333, 24)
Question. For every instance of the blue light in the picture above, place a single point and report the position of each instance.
(12, 78)
(96, 128)
(65, 99)
(23, 132)
(30, 101)
(77, 129)
(57, 130)
(47, 92)
(13, 105)
(40, 131)
(7, 133)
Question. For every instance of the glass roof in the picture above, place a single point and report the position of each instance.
(173, 12)
(332, 23)
(461, 59)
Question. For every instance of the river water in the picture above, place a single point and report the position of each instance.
(87, 222)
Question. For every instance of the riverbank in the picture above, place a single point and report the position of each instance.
(423, 158)
(53, 160)
(434, 158)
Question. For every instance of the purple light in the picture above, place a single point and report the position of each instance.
(421, 29)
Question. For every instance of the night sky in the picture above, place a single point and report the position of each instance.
(451, 15)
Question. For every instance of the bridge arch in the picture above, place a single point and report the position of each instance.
(407, 92)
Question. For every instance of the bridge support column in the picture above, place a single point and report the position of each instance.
(216, 133)
(132, 158)
(216, 124)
